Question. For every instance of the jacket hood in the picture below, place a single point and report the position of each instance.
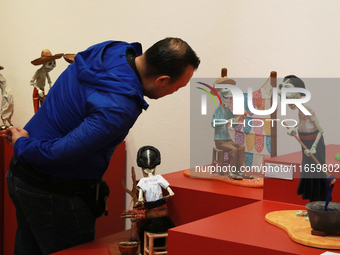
(104, 67)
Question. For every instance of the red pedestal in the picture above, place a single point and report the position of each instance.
(239, 231)
(10, 222)
(217, 218)
(196, 198)
(1, 194)
(112, 223)
(286, 190)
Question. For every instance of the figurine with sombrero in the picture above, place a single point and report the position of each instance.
(7, 104)
(47, 60)
(222, 137)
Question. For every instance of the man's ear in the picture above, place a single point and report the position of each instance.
(162, 80)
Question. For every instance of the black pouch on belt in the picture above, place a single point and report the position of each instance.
(96, 197)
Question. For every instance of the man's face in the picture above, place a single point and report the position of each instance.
(167, 89)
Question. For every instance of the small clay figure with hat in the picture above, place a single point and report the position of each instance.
(7, 105)
(47, 60)
(222, 137)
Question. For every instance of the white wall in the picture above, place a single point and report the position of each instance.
(250, 38)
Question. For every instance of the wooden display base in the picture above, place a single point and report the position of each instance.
(299, 230)
(249, 183)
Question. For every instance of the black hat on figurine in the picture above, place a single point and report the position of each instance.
(148, 157)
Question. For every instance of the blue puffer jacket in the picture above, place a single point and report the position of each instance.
(87, 113)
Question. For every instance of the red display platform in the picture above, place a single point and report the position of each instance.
(285, 190)
(103, 246)
(218, 218)
(196, 198)
(10, 222)
(239, 231)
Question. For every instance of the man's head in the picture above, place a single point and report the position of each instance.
(167, 66)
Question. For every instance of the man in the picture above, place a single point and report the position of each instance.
(69, 141)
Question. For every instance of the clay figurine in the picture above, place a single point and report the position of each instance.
(47, 60)
(222, 138)
(150, 194)
(7, 104)
(313, 185)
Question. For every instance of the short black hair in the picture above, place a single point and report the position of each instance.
(296, 81)
(170, 56)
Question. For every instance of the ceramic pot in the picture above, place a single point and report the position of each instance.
(325, 221)
(128, 248)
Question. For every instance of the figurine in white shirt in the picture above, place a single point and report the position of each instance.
(156, 214)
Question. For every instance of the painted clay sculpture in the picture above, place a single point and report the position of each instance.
(48, 62)
(313, 185)
(7, 103)
(222, 138)
(150, 194)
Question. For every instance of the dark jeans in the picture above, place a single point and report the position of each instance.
(48, 222)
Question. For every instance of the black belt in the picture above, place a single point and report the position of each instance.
(47, 182)
(154, 204)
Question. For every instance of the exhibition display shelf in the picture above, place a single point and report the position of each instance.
(199, 198)
(103, 246)
(194, 199)
(239, 231)
(217, 218)
(282, 190)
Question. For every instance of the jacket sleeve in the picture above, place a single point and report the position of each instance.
(99, 128)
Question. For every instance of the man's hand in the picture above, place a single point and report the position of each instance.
(12, 134)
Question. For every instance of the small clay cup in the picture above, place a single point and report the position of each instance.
(128, 248)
